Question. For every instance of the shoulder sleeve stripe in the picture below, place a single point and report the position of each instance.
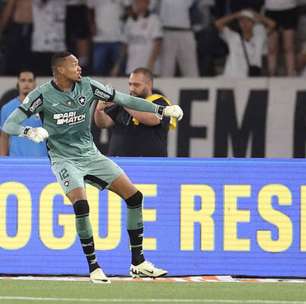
(102, 94)
(35, 104)
(30, 107)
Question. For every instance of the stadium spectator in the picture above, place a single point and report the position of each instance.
(106, 28)
(227, 7)
(284, 13)
(48, 33)
(65, 102)
(7, 96)
(238, 5)
(143, 38)
(77, 31)
(153, 7)
(246, 47)
(301, 27)
(136, 133)
(301, 56)
(179, 45)
(16, 146)
(16, 26)
(301, 61)
(209, 45)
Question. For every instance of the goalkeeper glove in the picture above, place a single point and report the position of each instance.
(35, 134)
(173, 111)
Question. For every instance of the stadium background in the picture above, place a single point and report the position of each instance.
(222, 118)
(203, 216)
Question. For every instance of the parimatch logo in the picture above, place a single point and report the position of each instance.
(70, 118)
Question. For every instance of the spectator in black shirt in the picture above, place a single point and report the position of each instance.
(136, 133)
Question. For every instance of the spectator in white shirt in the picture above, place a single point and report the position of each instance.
(246, 48)
(179, 45)
(106, 28)
(284, 13)
(77, 31)
(48, 33)
(143, 38)
(16, 26)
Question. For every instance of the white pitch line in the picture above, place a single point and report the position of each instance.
(226, 301)
(200, 279)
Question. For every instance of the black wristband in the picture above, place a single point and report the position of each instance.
(160, 110)
(26, 130)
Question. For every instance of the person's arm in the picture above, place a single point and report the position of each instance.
(102, 120)
(301, 60)
(115, 71)
(155, 51)
(4, 144)
(92, 21)
(7, 14)
(222, 22)
(157, 37)
(142, 105)
(148, 119)
(32, 104)
(107, 93)
(267, 22)
(13, 126)
(136, 103)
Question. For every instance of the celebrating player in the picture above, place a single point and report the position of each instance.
(64, 105)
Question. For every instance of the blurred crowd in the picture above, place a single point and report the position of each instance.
(188, 38)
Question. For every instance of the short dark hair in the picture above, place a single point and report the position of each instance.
(26, 70)
(145, 71)
(58, 58)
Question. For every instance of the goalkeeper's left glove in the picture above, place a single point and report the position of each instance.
(173, 111)
(35, 134)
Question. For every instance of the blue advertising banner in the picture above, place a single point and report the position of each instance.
(202, 216)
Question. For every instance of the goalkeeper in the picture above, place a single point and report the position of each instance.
(64, 105)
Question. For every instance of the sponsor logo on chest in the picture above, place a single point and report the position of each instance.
(69, 118)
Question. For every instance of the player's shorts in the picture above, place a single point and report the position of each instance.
(77, 26)
(97, 170)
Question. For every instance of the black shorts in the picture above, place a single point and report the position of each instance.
(77, 22)
(285, 19)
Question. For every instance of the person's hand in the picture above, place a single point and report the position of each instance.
(102, 105)
(35, 134)
(257, 16)
(173, 111)
(237, 15)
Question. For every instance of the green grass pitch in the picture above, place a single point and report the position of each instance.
(120, 292)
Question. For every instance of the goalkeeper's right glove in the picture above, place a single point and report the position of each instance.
(35, 134)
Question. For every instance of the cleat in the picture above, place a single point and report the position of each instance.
(99, 277)
(146, 270)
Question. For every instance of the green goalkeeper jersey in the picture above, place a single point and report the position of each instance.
(67, 115)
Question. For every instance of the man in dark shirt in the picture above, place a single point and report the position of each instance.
(136, 133)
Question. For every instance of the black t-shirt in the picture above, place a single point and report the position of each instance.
(129, 138)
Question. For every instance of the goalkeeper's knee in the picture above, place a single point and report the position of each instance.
(135, 201)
